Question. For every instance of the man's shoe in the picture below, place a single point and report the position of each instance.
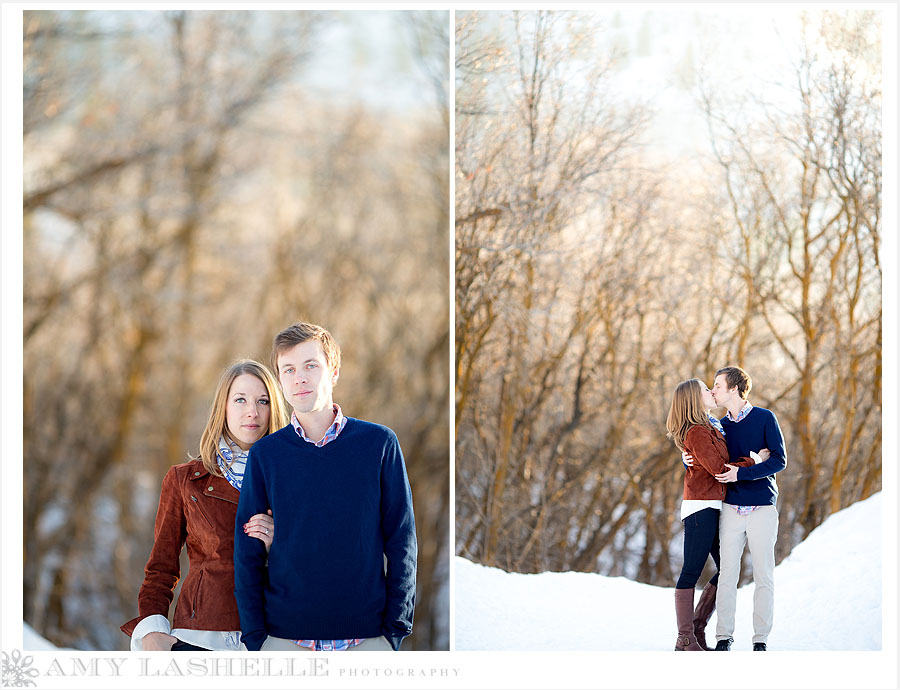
(725, 645)
(759, 647)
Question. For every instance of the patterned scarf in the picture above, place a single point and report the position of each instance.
(717, 425)
(235, 472)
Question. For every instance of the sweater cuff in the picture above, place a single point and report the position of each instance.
(153, 623)
(394, 640)
(253, 641)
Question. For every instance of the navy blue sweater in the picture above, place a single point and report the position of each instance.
(755, 485)
(338, 511)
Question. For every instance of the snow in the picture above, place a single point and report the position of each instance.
(33, 642)
(827, 597)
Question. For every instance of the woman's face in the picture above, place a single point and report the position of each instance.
(709, 402)
(247, 410)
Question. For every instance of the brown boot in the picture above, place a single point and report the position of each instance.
(684, 615)
(703, 612)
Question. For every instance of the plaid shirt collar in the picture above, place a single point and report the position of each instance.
(745, 410)
(337, 426)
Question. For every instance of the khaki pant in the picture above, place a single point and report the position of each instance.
(371, 644)
(758, 530)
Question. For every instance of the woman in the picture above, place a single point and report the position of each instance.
(696, 432)
(197, 508)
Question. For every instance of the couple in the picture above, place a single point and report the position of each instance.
(341, 572)
(729, 500)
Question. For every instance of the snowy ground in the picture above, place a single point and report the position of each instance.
(33, 642)
(827, 597)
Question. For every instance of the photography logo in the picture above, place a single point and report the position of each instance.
(17, 671)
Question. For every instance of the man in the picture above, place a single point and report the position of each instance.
(341, 571)
(748, 514)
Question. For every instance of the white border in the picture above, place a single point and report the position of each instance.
(475, 669)
(451, 288)
(11, 540)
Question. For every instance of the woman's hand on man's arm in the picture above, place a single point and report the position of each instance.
(261, 527)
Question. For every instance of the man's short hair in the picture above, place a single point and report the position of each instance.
(737, 377)
(301, 332)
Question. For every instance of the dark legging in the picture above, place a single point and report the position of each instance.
(701, 539)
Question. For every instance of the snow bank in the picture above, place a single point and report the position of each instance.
(827, 597)
(33, 642)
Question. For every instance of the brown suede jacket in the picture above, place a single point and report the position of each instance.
(197, 509)
(707, 446)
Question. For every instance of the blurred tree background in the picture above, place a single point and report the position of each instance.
(594, 271)
(193, 183)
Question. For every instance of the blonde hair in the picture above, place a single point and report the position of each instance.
(216, 426)
(686, 411)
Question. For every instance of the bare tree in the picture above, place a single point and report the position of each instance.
(543, 228)
(588, 286)
(188, 198)
(804, 187)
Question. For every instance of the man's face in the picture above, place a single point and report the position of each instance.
(721, 394)
(306, 379)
